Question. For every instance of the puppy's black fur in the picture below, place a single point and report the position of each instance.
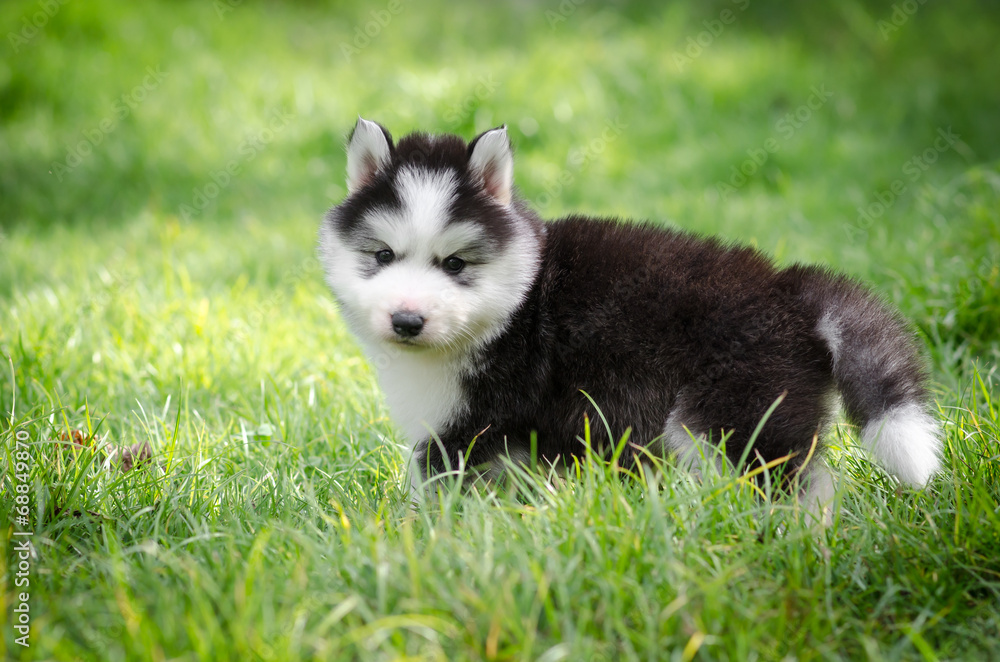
(650, 322)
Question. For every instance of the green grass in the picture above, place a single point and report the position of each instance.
(272, 522)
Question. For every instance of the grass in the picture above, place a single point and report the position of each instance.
(271, 522)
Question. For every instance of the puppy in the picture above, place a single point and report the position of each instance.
(489, 328)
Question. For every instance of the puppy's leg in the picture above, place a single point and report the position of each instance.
(691, 449)
(816, 492)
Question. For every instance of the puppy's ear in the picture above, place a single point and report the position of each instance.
(491, 159)
(368, 150)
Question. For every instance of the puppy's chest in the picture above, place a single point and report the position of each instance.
(423, 394)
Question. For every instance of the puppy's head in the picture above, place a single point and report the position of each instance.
(430, 250)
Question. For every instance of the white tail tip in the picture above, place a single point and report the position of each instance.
(907, 442)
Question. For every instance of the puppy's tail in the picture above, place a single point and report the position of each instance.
(880, 375)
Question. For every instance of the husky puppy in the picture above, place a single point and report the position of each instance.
(488, 326)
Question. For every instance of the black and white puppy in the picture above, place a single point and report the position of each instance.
(487, 326)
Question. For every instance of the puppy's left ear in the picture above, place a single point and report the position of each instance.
(491, 159)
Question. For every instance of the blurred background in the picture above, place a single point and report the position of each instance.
(207, 137)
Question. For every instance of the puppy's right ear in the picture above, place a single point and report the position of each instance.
(490, 158)
(368, 151)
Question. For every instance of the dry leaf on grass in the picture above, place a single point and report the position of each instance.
(79, 441)
(58, 510)
(78, 437)
(127, 458)
(136, 454)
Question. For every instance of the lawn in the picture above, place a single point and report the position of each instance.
(163, 170)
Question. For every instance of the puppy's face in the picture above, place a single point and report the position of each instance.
(426, 252)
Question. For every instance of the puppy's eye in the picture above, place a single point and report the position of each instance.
(384, 256)
(453, 264)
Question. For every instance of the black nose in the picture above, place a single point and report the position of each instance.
(407, 324)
